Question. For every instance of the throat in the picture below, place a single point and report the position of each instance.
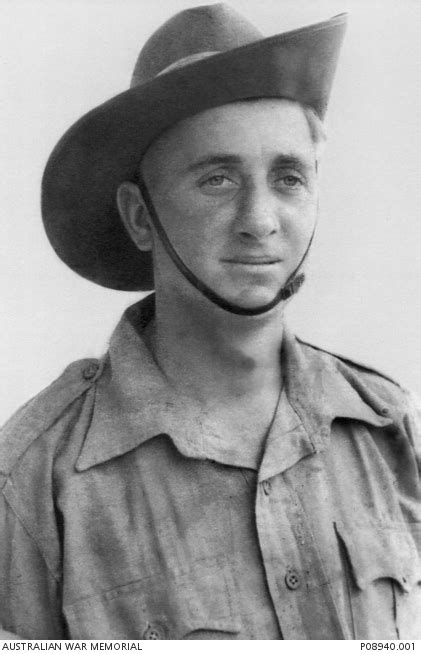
(233, 378)
(232, 359)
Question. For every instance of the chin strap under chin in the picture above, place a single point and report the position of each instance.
(292, 285)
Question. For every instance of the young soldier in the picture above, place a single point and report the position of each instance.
(212, 476)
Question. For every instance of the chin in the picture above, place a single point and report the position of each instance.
(252, 298)
(249, 288)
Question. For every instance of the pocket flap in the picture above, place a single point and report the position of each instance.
(161, 606)
(379, 551)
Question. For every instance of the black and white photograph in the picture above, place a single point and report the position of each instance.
(210, 333)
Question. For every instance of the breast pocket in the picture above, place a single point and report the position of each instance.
(383, 580)
(199, 604)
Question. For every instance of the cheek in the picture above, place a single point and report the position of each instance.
(300, 220)
(193, 227)
(190, 235)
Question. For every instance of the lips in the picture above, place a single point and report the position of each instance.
(253, 261)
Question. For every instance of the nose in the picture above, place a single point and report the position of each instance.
(257, 213)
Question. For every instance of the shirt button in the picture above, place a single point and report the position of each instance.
(292, 579)
(384, 411)
(90, 371)
(266, 487)
(153, 632)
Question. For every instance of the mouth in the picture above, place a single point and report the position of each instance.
(253, 261)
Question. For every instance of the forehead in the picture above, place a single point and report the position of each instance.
(249, 129)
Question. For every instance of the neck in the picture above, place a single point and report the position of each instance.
(214, 355)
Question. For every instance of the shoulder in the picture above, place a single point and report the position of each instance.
(385, 396)
(365, 379)
(57, 404)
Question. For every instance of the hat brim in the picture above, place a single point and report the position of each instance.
(105, 147)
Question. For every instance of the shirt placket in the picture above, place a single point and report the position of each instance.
(298, 582)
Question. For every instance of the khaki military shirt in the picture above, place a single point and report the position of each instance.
(124, 515)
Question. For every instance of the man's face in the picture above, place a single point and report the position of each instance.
(235, 189)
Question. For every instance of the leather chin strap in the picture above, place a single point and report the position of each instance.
(292, 285)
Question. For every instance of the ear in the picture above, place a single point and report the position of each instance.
(134, 215)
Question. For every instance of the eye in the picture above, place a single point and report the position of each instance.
(292, 180)
(216, 183)
(289, 182)
(217, 180)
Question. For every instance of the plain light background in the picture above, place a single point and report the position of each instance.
(60, 58)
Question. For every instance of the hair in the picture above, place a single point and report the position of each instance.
(317, 129)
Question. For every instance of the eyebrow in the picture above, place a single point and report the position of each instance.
(214, 160)
(291, 160)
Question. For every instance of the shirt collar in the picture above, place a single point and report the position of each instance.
(134, 402)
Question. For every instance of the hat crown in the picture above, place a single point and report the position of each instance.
(206, 29)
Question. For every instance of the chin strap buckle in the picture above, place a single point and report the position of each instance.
(292, 287)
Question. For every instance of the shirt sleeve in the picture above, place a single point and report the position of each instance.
(31, 567)
(29, 593)
(414, 428)
(412, 478)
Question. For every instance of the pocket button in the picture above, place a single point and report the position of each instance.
(153, 632)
